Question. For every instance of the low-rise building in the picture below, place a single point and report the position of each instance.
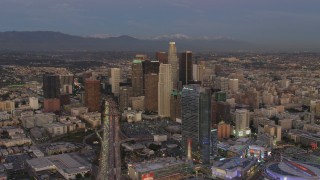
(15, 142)
(92, 118)
(76, 111)
(7, 106)
(57, 148)
(4, 116)
(56, 129)
(66, 164)
(69, 166)
(233, 168)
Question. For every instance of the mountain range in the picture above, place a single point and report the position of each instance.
(56, 41)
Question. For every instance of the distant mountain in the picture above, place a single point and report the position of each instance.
(56, 41)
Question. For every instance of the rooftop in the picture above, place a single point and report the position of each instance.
(157, 164)
(231, 163)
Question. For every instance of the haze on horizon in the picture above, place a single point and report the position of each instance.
(272, 22)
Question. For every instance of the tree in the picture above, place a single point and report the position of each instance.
(79, 176)
(88, 174)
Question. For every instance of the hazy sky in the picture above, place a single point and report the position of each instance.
(283, 21)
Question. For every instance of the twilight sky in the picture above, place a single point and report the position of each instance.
(262, 21)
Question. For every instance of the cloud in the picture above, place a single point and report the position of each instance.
(172, 36)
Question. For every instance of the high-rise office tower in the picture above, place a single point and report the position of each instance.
(205, 126)
(92, 94)
(162, 57)
(196, 120)
(174, 62)
(198, 71)
(185, 69)
(151, 92)
(51, 86)
(214, 141)
(124, 97)
(223, 130)
(165, 85)
(221, 83)
(51, 92)
(175, 105)
(242, 128)
(66, 83)
(115, 81)
(149, 67)
(137, 78)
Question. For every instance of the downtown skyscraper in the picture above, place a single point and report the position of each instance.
(51, 92)
(165, 86)
(196, 121)
(92, 94)
(137, 78)
(185, 69)
(174, 62)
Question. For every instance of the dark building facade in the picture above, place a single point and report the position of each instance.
(150, 67)
(185, 69)
(124, 97)
(51, 86)
(137, 78)
(162, 57)
(220, 112)
(196, 120)
(175, 105)
(151, 92)
(92, 94)
(51, 93)
(205, 125)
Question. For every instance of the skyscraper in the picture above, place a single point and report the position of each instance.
(185, 69)
(175, 105)
(137, 78)
(51, 92)
(165, 85)
(242, 122)
(124, 97)
(66, 83)
(51, 86)
(173, 61)
(196, 120)
(205, 126)
(151, 92)
(150, 67)
(162, 57)
(92, 94)
(115, 81)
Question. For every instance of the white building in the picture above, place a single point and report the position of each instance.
(242, 128)
(234, 85)
(115, 80)
(56, 129)
(34, 103)
(165, 86)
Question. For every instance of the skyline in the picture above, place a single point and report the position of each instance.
(274, 23)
